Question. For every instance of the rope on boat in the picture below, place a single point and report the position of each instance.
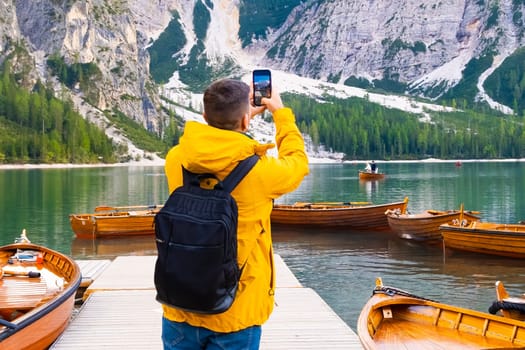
(463, 222)
(391, 291)
(397, 212)
(506, 305)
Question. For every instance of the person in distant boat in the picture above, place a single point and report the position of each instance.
(216, 148)
(371, 167)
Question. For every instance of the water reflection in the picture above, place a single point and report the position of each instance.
(342, 266)
(339, 265)
(109, 248)
(370, 187)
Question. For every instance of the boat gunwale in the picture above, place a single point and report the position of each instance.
(423, 215)
(114, 215)
(342, 207)
(496, 231)
(127, 216)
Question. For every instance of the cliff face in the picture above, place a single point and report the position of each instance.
(100, 32)
(413, 42)
(416, 43)
(404, 39)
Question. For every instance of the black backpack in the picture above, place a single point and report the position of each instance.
(196, 236)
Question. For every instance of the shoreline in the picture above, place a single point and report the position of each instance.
(71, 165)
(315, 161)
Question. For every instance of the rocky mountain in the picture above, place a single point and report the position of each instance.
(413, 42)
(154, 54)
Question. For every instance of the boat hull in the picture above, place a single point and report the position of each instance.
(488, 238)
(83, 225)
(348, 216)
(365, 175)
(394, 319)
(36, 314)
(113, 224)
(424, 226)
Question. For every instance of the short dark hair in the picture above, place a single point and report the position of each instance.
(225, 103)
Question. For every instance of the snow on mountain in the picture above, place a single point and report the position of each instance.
(412, 42)
(286, 82)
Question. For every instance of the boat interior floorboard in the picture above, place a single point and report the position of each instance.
(407, 335)
(17, 295)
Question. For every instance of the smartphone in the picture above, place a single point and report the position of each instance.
(262, 85)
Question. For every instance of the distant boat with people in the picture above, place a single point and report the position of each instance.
(371, 172)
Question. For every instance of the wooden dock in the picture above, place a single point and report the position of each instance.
(120, 312)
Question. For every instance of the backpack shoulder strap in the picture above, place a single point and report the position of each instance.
(239, 172)
(187, 176)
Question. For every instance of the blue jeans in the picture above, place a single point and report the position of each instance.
(182, 336)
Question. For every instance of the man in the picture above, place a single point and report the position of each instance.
(373, 167)
(217, 148)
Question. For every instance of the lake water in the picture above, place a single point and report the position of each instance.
(341, 266)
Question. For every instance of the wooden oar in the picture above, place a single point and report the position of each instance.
(343, 203)
(108, 208)
(440, 212)
(436, 212)
(304, 204)
(6, 270)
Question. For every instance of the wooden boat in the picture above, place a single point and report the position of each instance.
(424, 226)
(115, 221)
(356, 215)
(486, 237)
(395, 319)
(37, 295)
(512, 307)
(368, 175)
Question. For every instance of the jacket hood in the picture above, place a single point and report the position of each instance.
(209, 149)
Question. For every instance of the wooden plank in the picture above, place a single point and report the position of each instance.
(136, 272)
(125, 273)
(21, 293)
(91, 269)
(131, 319)
(121, 312)
(127, 319)
(294, 326)
(284, 276)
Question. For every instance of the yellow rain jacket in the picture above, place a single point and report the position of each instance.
(205, 149)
